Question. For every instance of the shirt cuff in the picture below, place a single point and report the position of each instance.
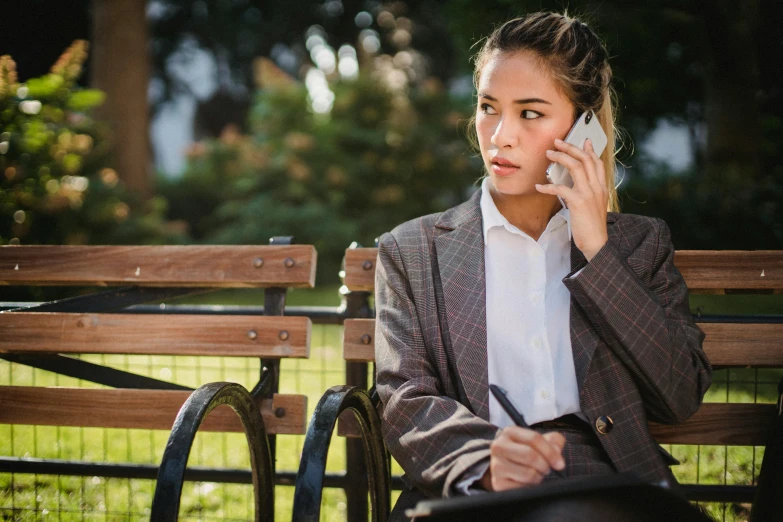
(468, 485)
(577, 273)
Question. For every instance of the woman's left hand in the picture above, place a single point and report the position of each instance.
(588, 198)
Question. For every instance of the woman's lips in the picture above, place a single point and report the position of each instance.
(504, 169)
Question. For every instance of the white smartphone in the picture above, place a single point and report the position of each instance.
(586, 127)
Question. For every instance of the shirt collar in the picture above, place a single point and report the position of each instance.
(491, 216)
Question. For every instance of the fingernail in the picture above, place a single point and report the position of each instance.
(560, 464)
(549, 152)
(558, 141)
(588, 142)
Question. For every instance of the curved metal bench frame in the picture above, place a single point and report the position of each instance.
(310, 478)
(171, 474)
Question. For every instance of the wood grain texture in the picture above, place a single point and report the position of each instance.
(138, 409)
(713, 424)
(731, 269)
(726, 344)
(360, 269)
(355, 349)
(743, 345)
(720, 424)
(198, 266)
(155, 334)
(705, 271)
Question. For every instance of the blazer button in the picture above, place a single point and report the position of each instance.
(604, 424)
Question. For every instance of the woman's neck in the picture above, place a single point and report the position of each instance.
(530, 213)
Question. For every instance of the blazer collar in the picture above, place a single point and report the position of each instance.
(462, 214)
(460, 257)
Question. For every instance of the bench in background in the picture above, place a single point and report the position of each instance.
(46, 335)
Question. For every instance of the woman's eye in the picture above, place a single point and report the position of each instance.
(530, 115)
(486, 108)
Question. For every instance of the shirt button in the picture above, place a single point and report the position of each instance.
(536, 252)
(544, 394)
(537, 343)
(536, 298)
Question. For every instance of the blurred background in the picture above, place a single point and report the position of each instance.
(230, 121)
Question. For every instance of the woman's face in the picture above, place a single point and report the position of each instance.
(519, 114)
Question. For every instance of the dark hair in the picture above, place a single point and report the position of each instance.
(578, 62)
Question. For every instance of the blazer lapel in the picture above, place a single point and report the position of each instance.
(584, 338)
(460, 257)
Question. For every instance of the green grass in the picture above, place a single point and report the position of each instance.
(42, 497)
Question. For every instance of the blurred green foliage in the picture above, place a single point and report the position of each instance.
(379, 158)
(56, 183)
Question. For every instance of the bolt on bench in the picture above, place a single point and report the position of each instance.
(47, 335)
(732, 341)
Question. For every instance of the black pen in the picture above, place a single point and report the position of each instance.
(502, 397)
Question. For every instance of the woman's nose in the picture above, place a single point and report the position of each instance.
(504, 135)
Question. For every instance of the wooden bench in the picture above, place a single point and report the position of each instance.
(47, 335)
(731, 342)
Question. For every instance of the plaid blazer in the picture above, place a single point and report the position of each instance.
(637, 352)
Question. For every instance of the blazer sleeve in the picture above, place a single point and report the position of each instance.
(648, 327)
(434, 437)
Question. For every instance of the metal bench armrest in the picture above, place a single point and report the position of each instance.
(171, 474)
(312, 467)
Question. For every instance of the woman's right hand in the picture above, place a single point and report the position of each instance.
(521, 457)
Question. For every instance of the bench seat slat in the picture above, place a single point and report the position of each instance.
(703, 270)
(726, 344)
(131, 408)
(155, 334)
(192, 266)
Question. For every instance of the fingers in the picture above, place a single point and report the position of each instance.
(504, 476)
(577, 161)
(522, 454)
(585, 166)
(556, 438)
(599, 164)
(523, 457)
(557, 190)
(542, 445)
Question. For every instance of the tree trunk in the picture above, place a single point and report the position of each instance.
(120, 67)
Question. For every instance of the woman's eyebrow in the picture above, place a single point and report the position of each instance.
(523, 101)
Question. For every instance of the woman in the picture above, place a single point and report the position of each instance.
(578, 312)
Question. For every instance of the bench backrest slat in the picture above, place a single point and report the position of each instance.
(726, 344)
(720, 424)
(703, 270)
(731, 269)
(200, 266)
(137, 409)
(714, 424)
(228, 335)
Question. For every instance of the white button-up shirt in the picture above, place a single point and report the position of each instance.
(528, 307)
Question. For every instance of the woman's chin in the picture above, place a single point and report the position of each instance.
(513, 186)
